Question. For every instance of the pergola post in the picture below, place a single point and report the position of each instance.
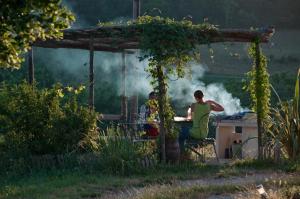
(124, 107)
(161, 101)
(30, 66)
(133, 114)
(136, 9)
(260, 127)
(91, 76)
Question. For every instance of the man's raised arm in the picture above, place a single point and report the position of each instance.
(215, 106)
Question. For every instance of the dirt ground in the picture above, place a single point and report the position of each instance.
(249, 181)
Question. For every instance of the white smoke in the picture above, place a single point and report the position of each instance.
(76, 62)
(181, 90)
(137, 79)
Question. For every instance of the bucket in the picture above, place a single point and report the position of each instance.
(172, 150)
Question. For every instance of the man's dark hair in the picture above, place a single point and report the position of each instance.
(198, 94)
(152, 94)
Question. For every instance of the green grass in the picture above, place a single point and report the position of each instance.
(44, 183)
(62, 185)
(79, 184)
(286, 166)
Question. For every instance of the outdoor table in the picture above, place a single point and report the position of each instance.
(183, 121)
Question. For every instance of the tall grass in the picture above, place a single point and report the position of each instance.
(120, 155)
(117, 155)
(285, 124)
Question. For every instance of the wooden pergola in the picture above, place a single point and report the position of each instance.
(100, 39)
(112, 39)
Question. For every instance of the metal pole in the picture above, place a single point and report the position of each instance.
(30, 66)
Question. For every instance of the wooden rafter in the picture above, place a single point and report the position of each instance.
(104, 41)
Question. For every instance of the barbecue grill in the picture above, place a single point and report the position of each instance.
(237, 134)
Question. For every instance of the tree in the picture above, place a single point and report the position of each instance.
(24, 21)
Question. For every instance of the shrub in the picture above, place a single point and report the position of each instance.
(37, 122)
(76, 129)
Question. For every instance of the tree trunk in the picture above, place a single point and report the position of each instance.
(161, 102)
(260, 127)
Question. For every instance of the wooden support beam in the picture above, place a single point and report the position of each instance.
(83, 44)
(124, 105)
(136, 9)
(161, 102)
(133, 115)
(30, 66)
(124, 108)
(123, 73)
(91, 76)
(260, 127)
(104, 41)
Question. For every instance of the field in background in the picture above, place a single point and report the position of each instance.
(283, 53)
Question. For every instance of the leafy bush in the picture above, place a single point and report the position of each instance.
(76, 129)
(37, 122)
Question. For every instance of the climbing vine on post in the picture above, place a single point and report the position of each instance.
(259, 89)
(169, 46)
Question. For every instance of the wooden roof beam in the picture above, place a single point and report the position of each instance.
(80, 38)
